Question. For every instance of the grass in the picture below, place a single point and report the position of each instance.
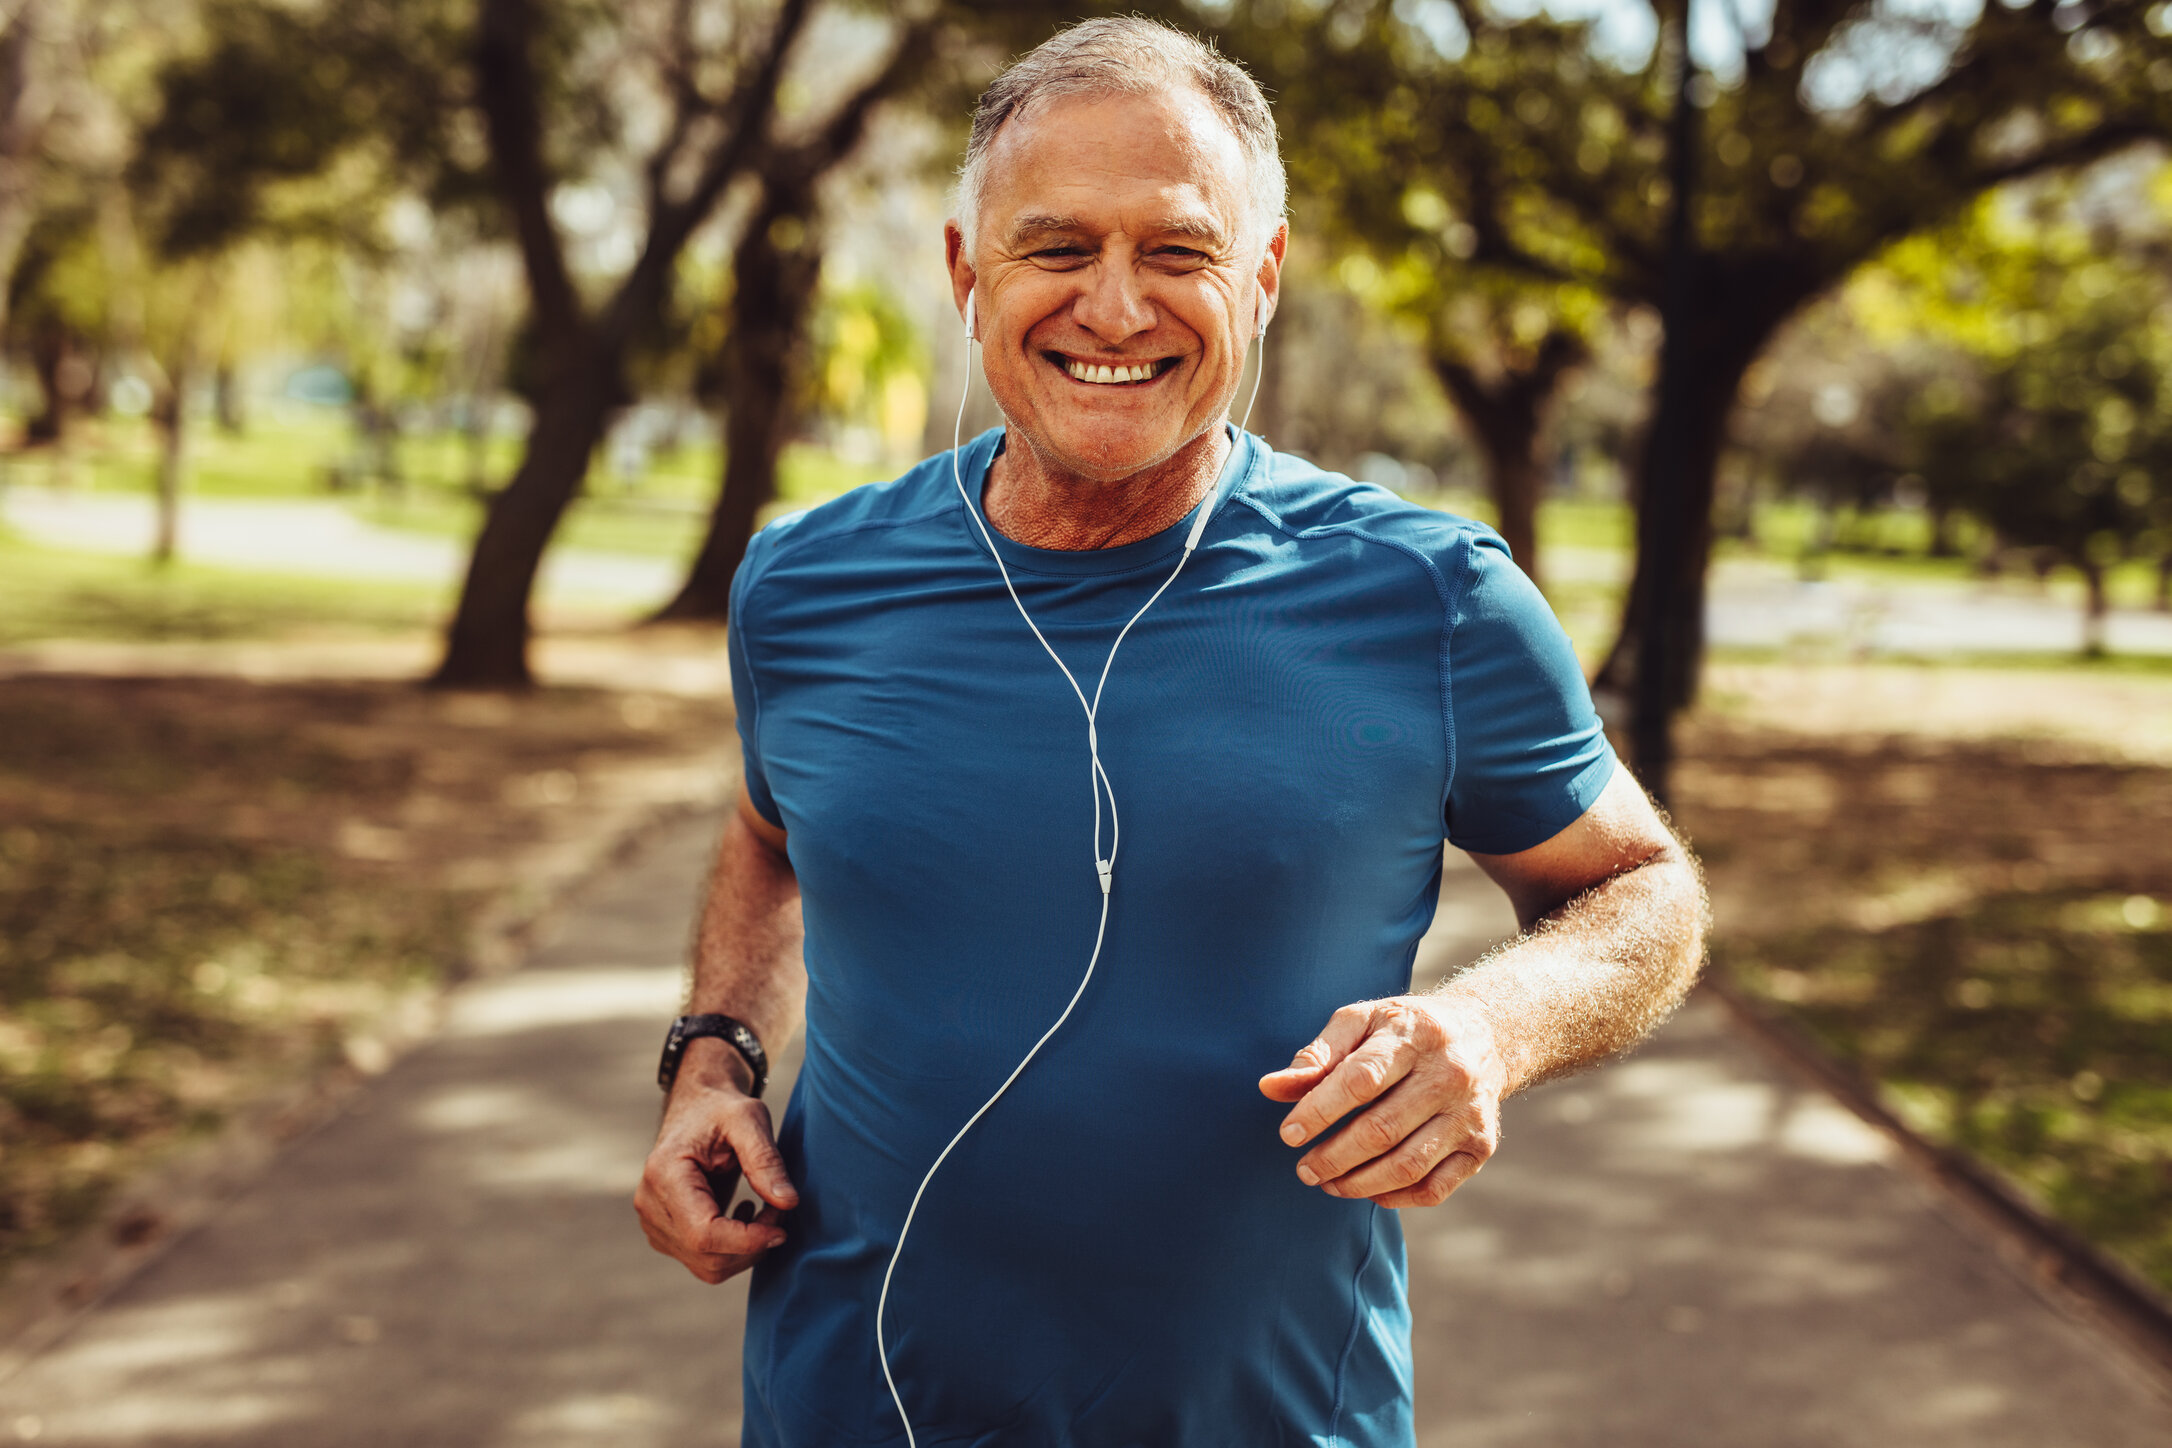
(1984, 930)
(52, 594)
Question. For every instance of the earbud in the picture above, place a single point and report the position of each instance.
(969, 316)
(1259, 328)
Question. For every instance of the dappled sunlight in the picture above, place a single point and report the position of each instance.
(625, 1420)
(1817, 1128)
(538, 1000)
(1693, 1108)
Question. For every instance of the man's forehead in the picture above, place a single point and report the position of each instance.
(1167, 161)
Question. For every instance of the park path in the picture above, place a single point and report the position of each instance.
(1688, 1248)
(1754, 603)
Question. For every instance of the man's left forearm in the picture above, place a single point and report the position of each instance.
(1593, 976)
(1614, 915)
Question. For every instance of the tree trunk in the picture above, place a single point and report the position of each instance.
(2164, 582)
(2093, 617)
(25, 106)
(226, 398)
(773, 291)
(170, 415)
(1717, 317)
(487, 645)
(1505, 417)
(50, 351)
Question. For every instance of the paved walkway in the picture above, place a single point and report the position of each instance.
(320, 538)
(1686, 1249)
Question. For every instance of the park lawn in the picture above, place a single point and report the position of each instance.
(1983, 929)
(57, 593)
(50, 593)
(218, 896)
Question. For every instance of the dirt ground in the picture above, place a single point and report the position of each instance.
(1962, 883)
(216, 888)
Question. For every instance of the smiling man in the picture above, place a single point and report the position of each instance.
(1058, 915)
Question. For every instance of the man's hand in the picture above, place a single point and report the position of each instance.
(712, 1131)
(1424, 1070)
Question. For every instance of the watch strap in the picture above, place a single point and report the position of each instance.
(726, 1028)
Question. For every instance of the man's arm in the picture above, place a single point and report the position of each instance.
(746, 965)
(1614, 916)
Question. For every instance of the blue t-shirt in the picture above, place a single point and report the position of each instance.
(1120, 1254)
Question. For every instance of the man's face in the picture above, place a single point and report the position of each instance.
(1113, 235)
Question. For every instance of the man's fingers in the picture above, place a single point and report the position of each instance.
(731, 1237)
(683, 1193)
(1362, 1076)
(748, 1134)
(1436, 1185)
(1403, 1115)
(1344, 1030)
(1414, 1156)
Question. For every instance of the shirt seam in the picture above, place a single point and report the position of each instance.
(1447, 620)
(737, 623)
(1357, 1320)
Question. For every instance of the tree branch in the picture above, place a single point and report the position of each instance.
(746, 118)
(512, 115)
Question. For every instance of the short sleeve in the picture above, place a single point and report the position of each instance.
(1530, 755)
(746, 692)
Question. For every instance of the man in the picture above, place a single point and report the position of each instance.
(1142, 1241)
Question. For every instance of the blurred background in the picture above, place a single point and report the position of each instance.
(1814, 355)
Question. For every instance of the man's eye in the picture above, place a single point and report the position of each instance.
(1060, 253)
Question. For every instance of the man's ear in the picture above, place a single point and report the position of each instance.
(961, 271)
(1269, 274)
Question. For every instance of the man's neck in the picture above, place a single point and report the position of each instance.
(1037, 502)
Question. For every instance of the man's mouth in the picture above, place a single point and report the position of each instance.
(1112, 374)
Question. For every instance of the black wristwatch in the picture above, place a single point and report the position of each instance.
(687, 1028)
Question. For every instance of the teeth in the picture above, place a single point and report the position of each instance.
(1101, 372)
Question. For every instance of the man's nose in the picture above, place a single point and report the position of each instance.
(1113, 306)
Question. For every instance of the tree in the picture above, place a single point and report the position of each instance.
(1831, 131)
(1498, 342)
(2053, 420)
(26, 107)
(776, 269)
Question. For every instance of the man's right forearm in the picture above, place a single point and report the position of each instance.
(747, 953)
(747, 966)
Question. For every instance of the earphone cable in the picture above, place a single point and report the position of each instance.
(1104, 866)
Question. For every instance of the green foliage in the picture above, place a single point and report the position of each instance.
(2043, 402)
(869, 359)
(301, 120)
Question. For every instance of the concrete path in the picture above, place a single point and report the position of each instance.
(1685, 1249)
(319, 538)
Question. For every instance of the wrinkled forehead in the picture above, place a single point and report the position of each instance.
(1165, 160)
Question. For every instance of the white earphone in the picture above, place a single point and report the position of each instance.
(1097, 780)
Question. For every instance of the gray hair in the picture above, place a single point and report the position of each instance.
(1130, 55)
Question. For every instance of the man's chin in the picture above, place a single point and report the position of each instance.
(1105, 448)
